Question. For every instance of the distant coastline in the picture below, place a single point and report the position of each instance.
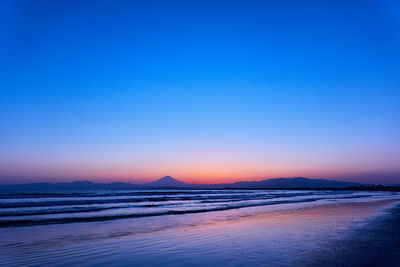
(167, 182)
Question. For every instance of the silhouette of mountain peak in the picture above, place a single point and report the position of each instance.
(167, 181)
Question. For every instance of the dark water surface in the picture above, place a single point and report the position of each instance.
(180, 227)
(29, 208)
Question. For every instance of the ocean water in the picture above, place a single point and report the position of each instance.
(40, 208)
(179, 227)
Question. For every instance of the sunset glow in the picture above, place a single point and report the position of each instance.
(109, 93)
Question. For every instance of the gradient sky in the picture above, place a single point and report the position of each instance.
(204, 91)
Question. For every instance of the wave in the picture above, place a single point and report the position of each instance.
(22, 222)
(146, 198)
(26, 209)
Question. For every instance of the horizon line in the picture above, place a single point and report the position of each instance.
(144, 183)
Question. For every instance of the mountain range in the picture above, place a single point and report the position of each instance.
(169, 182)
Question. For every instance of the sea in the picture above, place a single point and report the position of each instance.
(40, 208)
(177, 227)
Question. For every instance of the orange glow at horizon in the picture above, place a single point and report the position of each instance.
(190, 165)
(205, 173)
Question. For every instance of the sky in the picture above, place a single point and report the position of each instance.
(204, 91)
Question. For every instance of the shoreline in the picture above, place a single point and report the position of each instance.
(377, 243)
(300, 235)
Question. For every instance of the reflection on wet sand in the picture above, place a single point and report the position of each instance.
(282, 234)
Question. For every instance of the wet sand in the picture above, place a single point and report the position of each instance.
(329, 234)
(376, 243)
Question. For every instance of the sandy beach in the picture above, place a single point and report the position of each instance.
(298, 234)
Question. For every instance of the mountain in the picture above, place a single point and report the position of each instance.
(167, 181)
(296, 182)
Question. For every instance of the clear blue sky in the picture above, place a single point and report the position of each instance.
(205, 91)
